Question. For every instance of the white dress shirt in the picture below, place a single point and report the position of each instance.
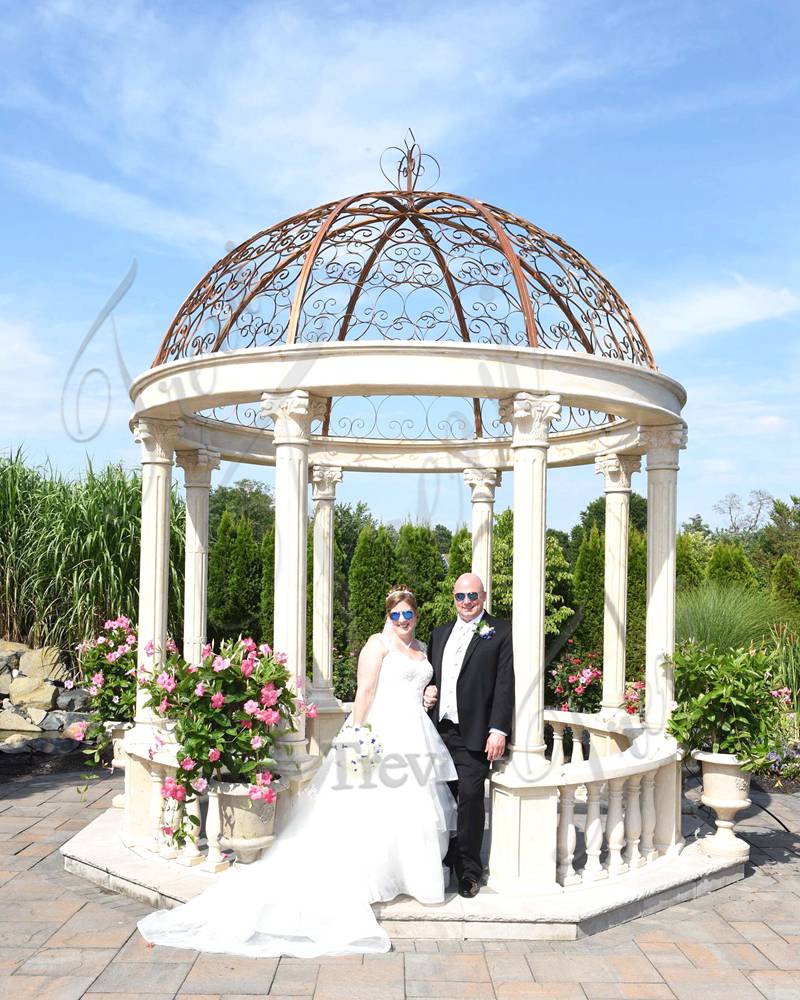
(452, 658)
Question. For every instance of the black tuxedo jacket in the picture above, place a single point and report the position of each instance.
(485, 686)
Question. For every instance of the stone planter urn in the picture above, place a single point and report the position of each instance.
(245, 827)
(725, 788)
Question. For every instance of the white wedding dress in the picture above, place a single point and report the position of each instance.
(346, 844)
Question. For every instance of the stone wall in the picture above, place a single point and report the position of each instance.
(37, 696)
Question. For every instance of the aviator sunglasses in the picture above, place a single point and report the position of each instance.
(395, 615)
(472, 595)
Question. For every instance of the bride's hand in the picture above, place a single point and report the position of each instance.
(429, 696)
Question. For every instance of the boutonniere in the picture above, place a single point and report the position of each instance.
(484, 630)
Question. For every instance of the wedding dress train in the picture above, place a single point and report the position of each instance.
(345, 845)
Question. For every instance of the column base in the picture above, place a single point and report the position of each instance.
(524, 831)
(320, 731)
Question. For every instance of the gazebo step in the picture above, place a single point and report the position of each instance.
(98, 854)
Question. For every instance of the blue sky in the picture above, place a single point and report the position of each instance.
(659, 138)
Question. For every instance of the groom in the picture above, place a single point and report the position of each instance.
(471, 700)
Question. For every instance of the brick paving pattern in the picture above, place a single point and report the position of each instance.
(62, 938)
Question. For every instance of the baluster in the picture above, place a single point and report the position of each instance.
(172, 817)
(594, 870)
(633, 822)
(615, 827)
(577, 758)
(215, 860)
(565, 840)
(156, 810)
(557, 756)
(647, 844)
(191, 854)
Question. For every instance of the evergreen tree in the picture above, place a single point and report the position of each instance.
(589, 587)
(245, 582)
(785, 583)
(503, 564)
(692, 552)
(420, 567)
(246, 498)
(729, 566)
(595, 513)
(220, 564)
(340, 620)
(347, 524)
(459, 561)
(372, 574)
(444, 538)
(266, 618)
(637, 606)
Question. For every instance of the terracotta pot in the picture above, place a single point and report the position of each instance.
(246, 827)
(725, 788)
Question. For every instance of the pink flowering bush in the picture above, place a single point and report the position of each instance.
(634, 697)
(575, 683)
(228, 710)
(107, 669)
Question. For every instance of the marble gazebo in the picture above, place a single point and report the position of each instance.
(412, 331)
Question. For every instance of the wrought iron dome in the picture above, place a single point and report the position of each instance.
(406, 265)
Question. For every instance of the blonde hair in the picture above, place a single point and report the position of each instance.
(397, 595)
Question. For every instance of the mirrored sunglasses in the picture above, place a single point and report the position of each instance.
(395, 615)
(472, 595)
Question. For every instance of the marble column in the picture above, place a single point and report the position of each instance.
(482, 483)
(197, 467)
(292, 413)
(525, 817)
(324, 480)
(616, 471)
(156, 439)
(663, 445)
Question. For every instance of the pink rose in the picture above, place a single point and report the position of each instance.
(572, 678)
(256, 743)
(200, 689)
(217, 700)
(213, 756)
(130, 639)
(269, 795)
(188, 764)
(251, 707)
(199, 785)
(580, 689)
(180, 793)
(171, 647)
(263, 777)
(247, 724)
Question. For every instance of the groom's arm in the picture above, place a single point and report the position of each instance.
(502, 709)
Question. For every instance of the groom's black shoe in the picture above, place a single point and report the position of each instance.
(468, 887)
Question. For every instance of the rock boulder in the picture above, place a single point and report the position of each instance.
(43, 663)
(9, 719)
(32, 692)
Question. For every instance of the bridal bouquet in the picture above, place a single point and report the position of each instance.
(226, 711)
(359, 750)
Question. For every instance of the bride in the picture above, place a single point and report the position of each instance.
(352, 838)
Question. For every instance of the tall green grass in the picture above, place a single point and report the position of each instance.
(69, 552)
(726, 617)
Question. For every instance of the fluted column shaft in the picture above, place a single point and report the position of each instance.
(530, 415)
(616, 471)
(663, 445)
(197, 468)
(324, 481)
(483, 483)
(156, 439)
(292, 413)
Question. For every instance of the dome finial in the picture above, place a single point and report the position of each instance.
(411, 165)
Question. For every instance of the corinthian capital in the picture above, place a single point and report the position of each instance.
(292, 413)
(483, 483)
(616, 471)
(663, 444)
(530, 414)
(156, 438)
(197, 465)
(324, 480)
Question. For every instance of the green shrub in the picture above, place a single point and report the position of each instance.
(590, 592)
(785, 583)
(373, 573)
(345, 673)
(724, 703)
(730, 567)
(637, 606)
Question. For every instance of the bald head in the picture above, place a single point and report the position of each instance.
(469, 588)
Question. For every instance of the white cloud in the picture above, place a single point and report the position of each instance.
(692, 313)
